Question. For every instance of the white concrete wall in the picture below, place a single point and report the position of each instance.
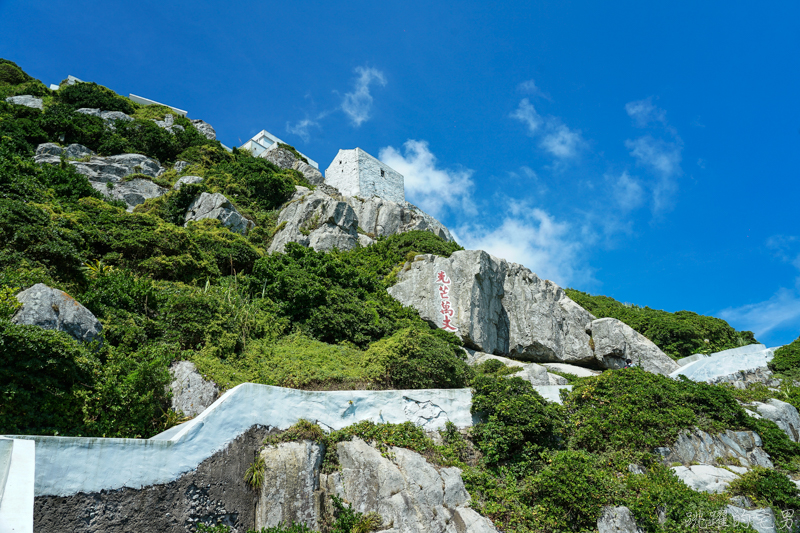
(68, 465)
(356, 173)
(16, 505)
(390, 186)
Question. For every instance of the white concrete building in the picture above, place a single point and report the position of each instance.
(264, 141)
(356, 173)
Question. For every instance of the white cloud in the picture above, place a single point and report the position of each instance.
(660, 156)
(562, 142)
(532, 237)
(627, 191)
(643, 112)
(357, 104)
(530, 87)
(301, 128)
(556, 139)
(782, 310)
(528, 115)
(431, 188)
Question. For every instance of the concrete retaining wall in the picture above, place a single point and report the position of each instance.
(68, 465)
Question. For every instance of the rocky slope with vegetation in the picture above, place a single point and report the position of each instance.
(133, 242)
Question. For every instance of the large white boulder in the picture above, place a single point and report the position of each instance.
(379, 217)
(701, 447)
(51, 308)
(132, 192)
(617, 520)
(615, 341)
(783, 414)
(531, 372)
(762, 520)
(27, 100)
(705, 478)
(191, 394)
(216, 206)
(497, 307)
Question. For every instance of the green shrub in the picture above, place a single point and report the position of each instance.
(350, 521)
(417, 358)
(787, 358)
(633, 410)
(41, 378)
(294, 151)
(8, 302)
(570, 492)
(11, 74)
(782, 450)
(678, 334)
(517, 423)
(62, 124)
(254, 182)
(96, 96)
(767, 487)
(177, 202)
(129, 397)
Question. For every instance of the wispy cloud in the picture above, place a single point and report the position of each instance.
(301, 128)
(532, 237)
(782, 310)
(643, 112)
(554, 137)
(530, 87)
(663, 158)
(627, 191)
(357, 104)
(427, 185)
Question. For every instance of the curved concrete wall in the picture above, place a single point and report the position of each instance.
(68, 465)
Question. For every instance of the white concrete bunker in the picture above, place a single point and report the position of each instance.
(356, 173)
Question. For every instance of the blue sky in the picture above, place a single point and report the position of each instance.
(646, 151)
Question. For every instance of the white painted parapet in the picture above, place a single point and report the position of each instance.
(17, 473)
(68, 465)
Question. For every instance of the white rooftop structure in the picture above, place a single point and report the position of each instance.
(356, 173)
(263, 141)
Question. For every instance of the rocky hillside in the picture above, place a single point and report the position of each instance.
(145, 269)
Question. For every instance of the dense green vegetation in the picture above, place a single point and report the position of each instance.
(678, 334)
(165, 292)
(787, 359)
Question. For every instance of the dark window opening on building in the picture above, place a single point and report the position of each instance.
(381, 172)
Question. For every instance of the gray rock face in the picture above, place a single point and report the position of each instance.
(169, 124)
(191, 394)
(783, 414)
(705, 478)
(180, 165)
(27, 100)
(132, 192)
(572, 369)
(498, 307)
(701, 447)
(615, 341)
(102, 171)
(205, 129)
(531, 372)
(408, 492)
(285, 159)
(762, 520)
(187, 180)
(218, 207)
(316, 220)
(51, 308)
(617, 520)
(108, 116)
(380, 217)
(290, 488)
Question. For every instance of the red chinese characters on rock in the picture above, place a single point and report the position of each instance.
(445, 307)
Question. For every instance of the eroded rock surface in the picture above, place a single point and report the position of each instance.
(705, 478)
(762, 520)
(701, 447)
(290, 490)
(615, 341)
(216, 206)
(314, 219)
(531, 372)
(108, 116)
(498, 307)
(286, 159)
(205, 128)
(51, 308)
(133, 192)
(617, 520)
(783, 414)
(169, 124)
(187, 180)
(379, 217)
(191, 394)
